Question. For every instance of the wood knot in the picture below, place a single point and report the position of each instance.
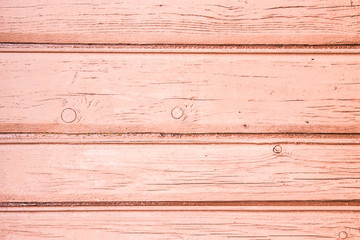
(277, 149)
(68, 115)
(355, 3)
(343, 235)
(177, 112)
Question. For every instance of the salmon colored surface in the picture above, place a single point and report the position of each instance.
(181, 21)
(228, 119)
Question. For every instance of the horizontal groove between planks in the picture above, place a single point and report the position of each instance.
(178, 48)
(173, 138)
(302, 205)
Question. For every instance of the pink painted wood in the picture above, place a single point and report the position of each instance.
(181, 21)
(179, 119)
(171, 92)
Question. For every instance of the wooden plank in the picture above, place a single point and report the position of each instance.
(181, 22)
(179, 172)
(177, 224)
(179, 93)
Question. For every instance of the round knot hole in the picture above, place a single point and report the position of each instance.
(68, 115)
(277, 149)
(177, 112)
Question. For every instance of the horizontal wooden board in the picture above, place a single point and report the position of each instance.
(181, 22)
(179, 93)
(174, 224)
(179, 172)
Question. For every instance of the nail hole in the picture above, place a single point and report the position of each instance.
(177, 112)
(343, 235)
(68, 115)
(277, 149)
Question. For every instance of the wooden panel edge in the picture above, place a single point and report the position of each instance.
(168, 138)
(178, 48)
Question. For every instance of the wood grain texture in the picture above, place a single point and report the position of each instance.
(179, 172)
(179, 93)
(161, 119)
(181, 22)
(173, 224)
(182, 93)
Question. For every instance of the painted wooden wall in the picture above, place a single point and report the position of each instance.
(180, 119)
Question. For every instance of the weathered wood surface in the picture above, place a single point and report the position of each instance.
(174, 224)
(226, 75)
(181, 22)
(249, 170)
(179, 93)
